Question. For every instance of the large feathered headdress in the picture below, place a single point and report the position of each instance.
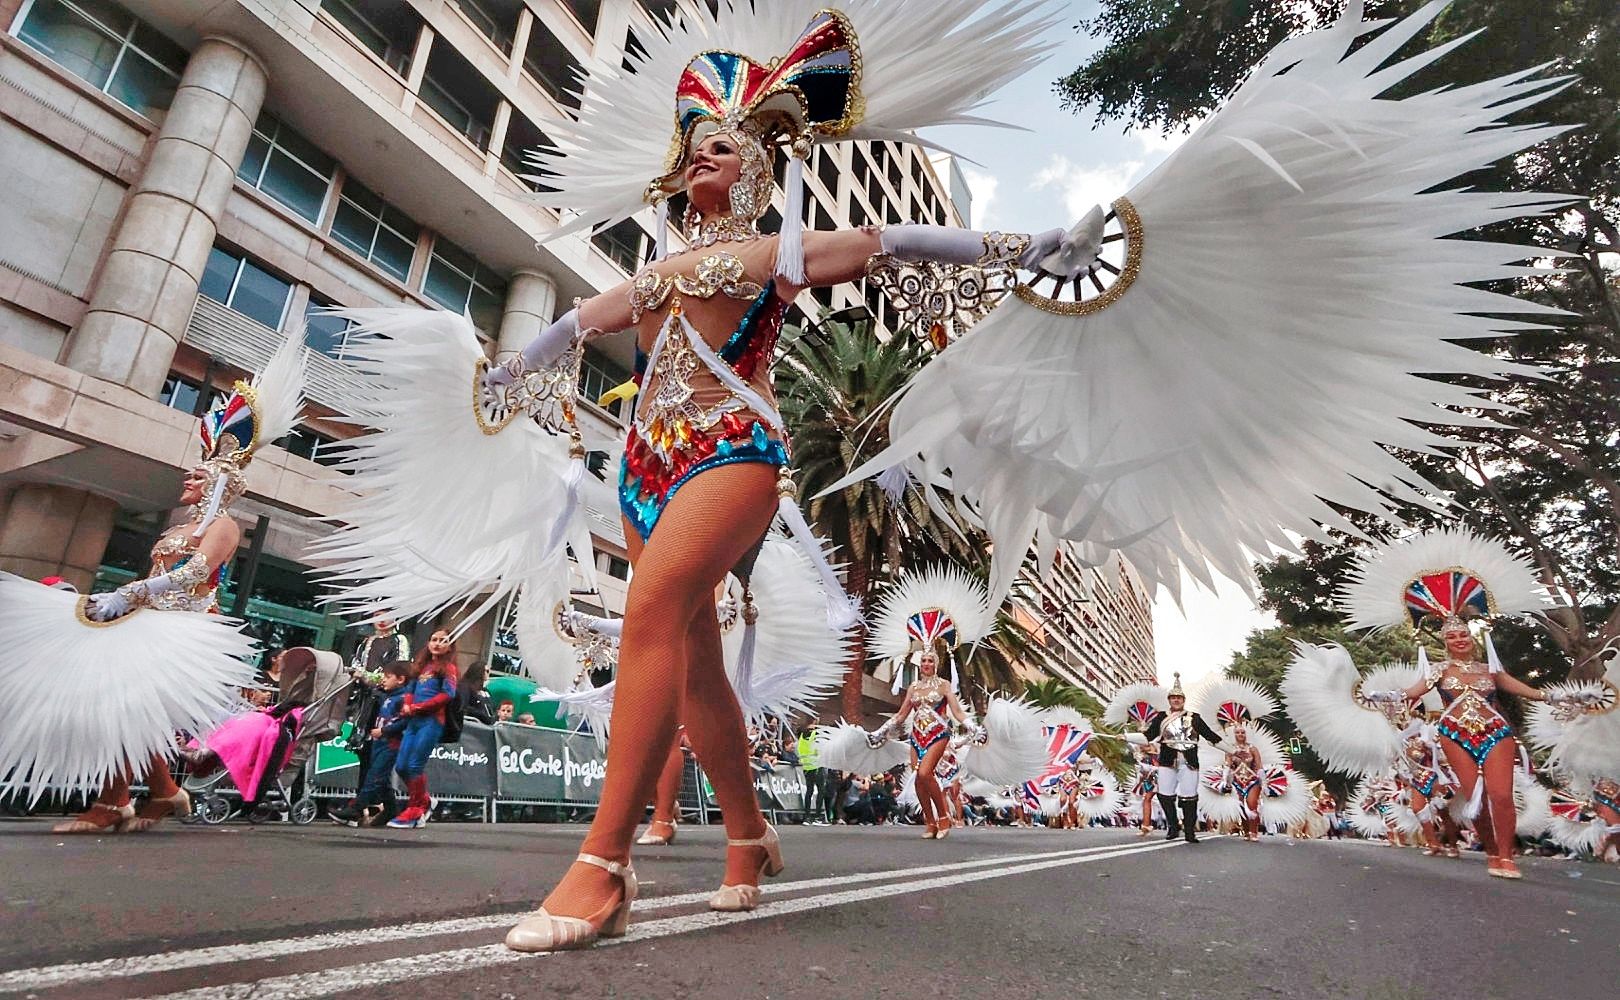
(1437, 578)
(790, 72)
(940, 604)
(253, 415)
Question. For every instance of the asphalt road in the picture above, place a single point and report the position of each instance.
(284, 912)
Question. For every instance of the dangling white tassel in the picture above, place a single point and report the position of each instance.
(1476, 801)
(744, 683)
(843, 611)
(661, 229)
(790, 244)
(955, 672)
(215, 498)
(899, 677)
(572, 481)
(1491, 659)
(1423, 661)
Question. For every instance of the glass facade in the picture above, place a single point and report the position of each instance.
(375, 230)
(287, 167)
(244, 286)
(109, 48)
(457, 281)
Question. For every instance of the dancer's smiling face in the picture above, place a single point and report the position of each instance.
(928, 665)
(194, 489)
(1459, 642)
(716, 165)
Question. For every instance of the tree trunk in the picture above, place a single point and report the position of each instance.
(858, 582)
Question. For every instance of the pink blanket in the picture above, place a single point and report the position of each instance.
(244, 745)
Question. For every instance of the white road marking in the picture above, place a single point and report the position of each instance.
(341, 980)
(51, 976)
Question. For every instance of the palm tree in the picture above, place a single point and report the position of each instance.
(832, 383)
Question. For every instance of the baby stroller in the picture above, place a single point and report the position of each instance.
(257, 756)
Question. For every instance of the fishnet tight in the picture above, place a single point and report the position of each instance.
(671, 669)
(929, 794)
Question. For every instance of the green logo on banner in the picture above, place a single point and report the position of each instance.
(333, 754)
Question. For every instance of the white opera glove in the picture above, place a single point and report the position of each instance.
(880, 735)
(1079, 248)
(980, 735)
(950, 245)
(541, 352)
(1136, 739)
(106, 607)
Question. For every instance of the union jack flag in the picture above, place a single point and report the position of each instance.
(1064, 746)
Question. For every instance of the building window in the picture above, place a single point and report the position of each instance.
(375, 230)
(459, 94)
(827, 171)
(494, 23)
(109, 48)
(625, 243)
(386, 27)
(522, 137)
(287, 167)
(618, 568)
(312, 445)
(597, 375)
(324, 333)
(585, 12)
(180, 393)
(552, 66)
(459, 282)
(246, 287)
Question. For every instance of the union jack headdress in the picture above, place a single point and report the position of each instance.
(941, 604)
(253, 415)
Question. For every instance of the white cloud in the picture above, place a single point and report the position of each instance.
(1157, 145)
(983, 188)
(1081, 187)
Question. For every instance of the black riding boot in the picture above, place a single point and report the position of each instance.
(1172, 823)
(1189, 819)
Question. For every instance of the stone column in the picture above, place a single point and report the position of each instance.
(144, 294)
(50, 530)
(531, 304)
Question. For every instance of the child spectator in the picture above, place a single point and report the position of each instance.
(503, 712)
(375, 800)
(431, 693)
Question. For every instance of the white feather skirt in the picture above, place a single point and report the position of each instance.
(844, 748)
(1015, 750)
(1318, 691)
(799, 658)
(1296, 298)
(94, 702)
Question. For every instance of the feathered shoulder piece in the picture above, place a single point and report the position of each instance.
(791, 71)
(1450, 573)
(940, 603)
(1228, 701)
(1136, 705)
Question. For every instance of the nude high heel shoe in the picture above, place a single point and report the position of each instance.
(116, 816)
(178, 804)
(649, 837)
(740, 898)
(542, 931)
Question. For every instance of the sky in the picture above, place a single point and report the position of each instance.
(1050, 176)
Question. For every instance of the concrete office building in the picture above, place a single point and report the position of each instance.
(186, 184)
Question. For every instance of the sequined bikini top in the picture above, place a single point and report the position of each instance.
(716, 274)
(178, 551)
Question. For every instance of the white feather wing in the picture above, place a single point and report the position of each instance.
(1101, 797)
(1296, 298)
(442, 513)
(1015, 750)
(1318, 690)
(94, 702)
(844, 748)
(1218, 691)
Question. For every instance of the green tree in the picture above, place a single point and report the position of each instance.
(1547, 478)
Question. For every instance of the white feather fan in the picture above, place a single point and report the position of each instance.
(1532, 802)
(1015, 750)
(1099, 796)
(95, 701)
(1587, 743)
(1292, 806)
(1319, 692)
(442, 513)
(1296, 299)
(844, 748)
(279, 391)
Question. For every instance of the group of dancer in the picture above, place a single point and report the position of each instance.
(1268, 256)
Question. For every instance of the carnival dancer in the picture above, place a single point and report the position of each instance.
(1146, 786)
(1243, 773)
(1422, 770)
(426, 708)
(1177, 732)
(928, 614)
(1053, 430)
(180, 665)
(1438, 579)
(1252, 759)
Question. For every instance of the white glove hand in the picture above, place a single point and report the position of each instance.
(497, 378)
(1385, 697)
(106, 607)
(981, 735)
(1073, 253)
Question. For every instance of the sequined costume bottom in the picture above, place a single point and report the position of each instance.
(647, 481)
